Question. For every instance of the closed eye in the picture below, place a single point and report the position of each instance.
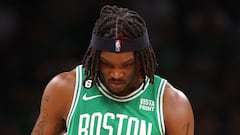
(128, 64)
(104, 63)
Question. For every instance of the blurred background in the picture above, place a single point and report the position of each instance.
(197, 45)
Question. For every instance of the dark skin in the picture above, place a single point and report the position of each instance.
(120, 77)
(119, 73)
(178, 114)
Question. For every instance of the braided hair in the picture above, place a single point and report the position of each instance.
(115, 21)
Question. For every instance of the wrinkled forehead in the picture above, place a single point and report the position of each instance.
(113, 57)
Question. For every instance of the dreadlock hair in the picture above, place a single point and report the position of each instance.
(114, 21)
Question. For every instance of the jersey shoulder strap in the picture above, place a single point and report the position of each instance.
(160, 84)
(78, 85)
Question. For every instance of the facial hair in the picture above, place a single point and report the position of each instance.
(133, 84)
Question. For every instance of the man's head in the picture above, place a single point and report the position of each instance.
(119, 24)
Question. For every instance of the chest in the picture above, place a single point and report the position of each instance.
(97, 113)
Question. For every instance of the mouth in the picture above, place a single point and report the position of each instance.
(116, 85)
(116, 82)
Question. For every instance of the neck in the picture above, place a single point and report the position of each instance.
(135, 85)
(131, 88)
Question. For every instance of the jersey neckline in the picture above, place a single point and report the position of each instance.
(126, 98)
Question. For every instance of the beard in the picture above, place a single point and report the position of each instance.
(128, 86)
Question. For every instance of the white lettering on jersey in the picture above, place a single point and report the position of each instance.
(96, 116)
(146, 105)
(93, 124)
(105, 120)
(120, 123)
(143, 128)
(130, 124)
(84, 119)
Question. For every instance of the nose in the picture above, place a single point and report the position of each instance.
(116, 74)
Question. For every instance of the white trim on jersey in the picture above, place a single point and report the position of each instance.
(160, 106)
(126, 98)
(76, 95)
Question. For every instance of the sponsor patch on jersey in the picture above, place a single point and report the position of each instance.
(146, 105)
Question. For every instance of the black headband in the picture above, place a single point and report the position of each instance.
(119, 45)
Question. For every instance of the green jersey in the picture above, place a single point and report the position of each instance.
(95, 111)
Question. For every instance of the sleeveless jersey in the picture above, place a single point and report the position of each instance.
(95, 111)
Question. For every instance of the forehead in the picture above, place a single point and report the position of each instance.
(120, 57)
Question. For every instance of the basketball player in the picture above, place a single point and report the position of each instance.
(115, 90)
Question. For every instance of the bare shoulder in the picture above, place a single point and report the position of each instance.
(55, 104)
(178, 113)
(60, 89)
(62, 82)
(174, 97)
